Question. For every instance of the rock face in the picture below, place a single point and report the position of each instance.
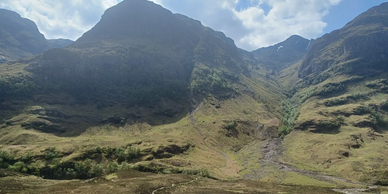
(20, 38)
(141, 60)
(283, 54)
(141, 54)
(361, 44)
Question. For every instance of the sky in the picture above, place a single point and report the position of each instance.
(252, 24)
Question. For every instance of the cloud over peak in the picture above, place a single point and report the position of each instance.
(251, 23)
(257, 23)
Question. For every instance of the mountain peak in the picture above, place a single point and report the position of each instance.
(354, 46)
(283, 54)
(20, 37)
(136, 19)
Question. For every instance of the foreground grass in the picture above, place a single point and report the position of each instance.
(137, 182)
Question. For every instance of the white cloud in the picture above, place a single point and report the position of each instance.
(61, 19)
(251, 27)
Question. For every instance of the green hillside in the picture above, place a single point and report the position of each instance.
(341, 97)
(148, 101)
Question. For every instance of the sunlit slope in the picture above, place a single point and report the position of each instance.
(341, 92)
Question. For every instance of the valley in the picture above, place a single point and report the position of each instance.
(178, 108)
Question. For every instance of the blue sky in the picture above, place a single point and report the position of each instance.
(338, 16)
(251, 23)
(347, 10)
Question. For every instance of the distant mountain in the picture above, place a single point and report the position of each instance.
(20, 37)
(283, 54)
(358, 48)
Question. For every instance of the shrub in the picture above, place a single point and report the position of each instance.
(330, 88)
(113, 167)
(376, 84)
(6, 156)
(345, 100)
(124, 166)
(199, 172)
(167, 171)
(306, 95)
(35, 167)
(19, 167)
(378, 119)
(284, 130)
(56, 161)
(70, 173)
(290, 114)
(328, 124)
(362, 110)
(231, 125)
(132, 153)
(26, 157)
(359, 96)
(341, 119)
(336, 102)
(83, 169)
(121, 156)
(98, 150)
(50, 153)
(98, 170)
(110, 151)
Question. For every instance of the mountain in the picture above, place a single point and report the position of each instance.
(283, 54)
(20, 37)
(340, 101)
(142, 58)
(360, 44)
(152, 91)
(142, 55)
(142, 78)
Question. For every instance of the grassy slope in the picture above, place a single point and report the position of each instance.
(135, 182)
(325, 149)
(248, 109)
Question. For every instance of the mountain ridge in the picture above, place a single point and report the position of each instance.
(20, 37)
(283, 54)
(352, 42)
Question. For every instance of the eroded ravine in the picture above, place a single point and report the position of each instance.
(273, 149)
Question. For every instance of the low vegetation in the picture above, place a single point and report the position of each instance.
(303, 96)
(330, 88)
(346, 100)
(231, 125)
(15, 87)
(207, 80)
(51, 166)
(290, 113)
